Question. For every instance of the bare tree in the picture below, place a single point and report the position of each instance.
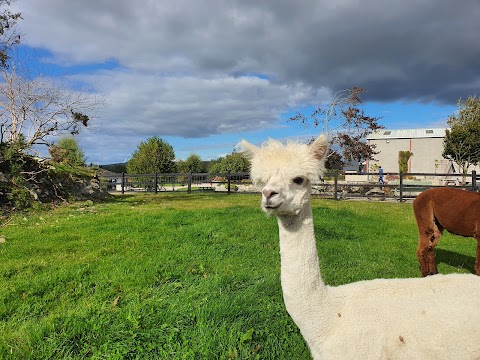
(347, 124)
(35, 111)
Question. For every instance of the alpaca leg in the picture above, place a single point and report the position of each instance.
(421, 254)
(425, 218)
(426, 258)
(432, 265)
(427, 241)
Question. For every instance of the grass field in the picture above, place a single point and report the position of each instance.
(184, 276)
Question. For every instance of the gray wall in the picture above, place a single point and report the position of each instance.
(425, 152)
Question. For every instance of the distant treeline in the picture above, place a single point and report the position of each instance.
(116, 168)
(122, 167)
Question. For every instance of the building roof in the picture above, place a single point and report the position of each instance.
(408, 134)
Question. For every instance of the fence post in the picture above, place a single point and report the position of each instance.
(189, 188)
(228, 182)
(156, 182)
(401, 187)
(335, 185)
(474, 180)
(123, 183)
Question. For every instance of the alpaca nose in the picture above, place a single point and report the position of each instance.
(269, 193)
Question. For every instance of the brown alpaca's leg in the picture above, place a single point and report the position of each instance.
(428, 233)
(427, 241)
(422, 254)
(432, 265)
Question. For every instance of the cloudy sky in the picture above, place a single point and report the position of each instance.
(203, 74)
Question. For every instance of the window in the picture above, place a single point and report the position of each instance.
(429, 131)
(387, 132)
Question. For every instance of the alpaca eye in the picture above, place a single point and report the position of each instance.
(298, 180)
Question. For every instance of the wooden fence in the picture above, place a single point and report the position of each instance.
(335, 185)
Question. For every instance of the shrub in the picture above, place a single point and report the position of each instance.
(26, 181)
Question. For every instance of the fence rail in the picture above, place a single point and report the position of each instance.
(334, 185)
(185, 182)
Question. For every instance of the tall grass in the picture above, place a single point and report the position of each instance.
(182, 276)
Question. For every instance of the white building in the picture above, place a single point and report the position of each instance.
(425, 144)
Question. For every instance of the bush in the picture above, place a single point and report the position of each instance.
(403, 157)
(25, 181)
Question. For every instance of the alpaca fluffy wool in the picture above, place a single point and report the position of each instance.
(437, 317)
(274, 156)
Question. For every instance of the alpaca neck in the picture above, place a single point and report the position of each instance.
(304, 291)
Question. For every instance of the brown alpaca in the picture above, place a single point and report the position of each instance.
(457, 211)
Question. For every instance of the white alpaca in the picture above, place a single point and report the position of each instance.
(437, 317)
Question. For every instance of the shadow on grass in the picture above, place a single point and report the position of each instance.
(455, 259)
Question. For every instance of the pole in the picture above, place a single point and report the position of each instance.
(401, 187)
(474, 180)
(189, 188)
(228, 182)
(335, 186)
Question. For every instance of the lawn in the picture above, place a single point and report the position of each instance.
(184, 276)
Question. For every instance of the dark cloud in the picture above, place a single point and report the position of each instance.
(194, 69)
(414, 50)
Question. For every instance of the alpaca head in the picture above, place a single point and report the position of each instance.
(285, 172)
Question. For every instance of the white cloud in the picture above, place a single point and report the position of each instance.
(191, 106)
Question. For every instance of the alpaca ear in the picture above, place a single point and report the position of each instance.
(319, 147)
(249, 150)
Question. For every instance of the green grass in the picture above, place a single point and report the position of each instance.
(184, 276)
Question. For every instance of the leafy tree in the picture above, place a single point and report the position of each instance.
(462, 141)
(192, 164)
(233, 163)
(154, 155)
(347, 124)
(214, 167)
(67, 151)
(8, 34)
(334, 161)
